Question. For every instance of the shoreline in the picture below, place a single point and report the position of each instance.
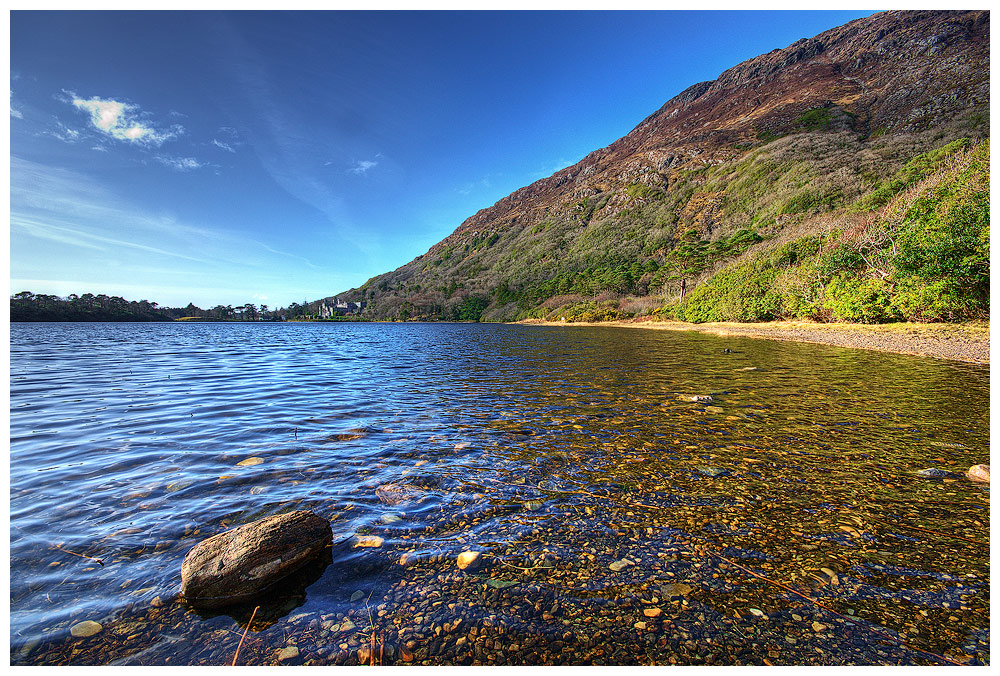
(968, 342)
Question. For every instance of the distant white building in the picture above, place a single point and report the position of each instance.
(339, 307)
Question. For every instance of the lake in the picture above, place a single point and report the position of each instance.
(782, 521)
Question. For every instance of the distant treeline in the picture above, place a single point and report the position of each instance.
(31, 307)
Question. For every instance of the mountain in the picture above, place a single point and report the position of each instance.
(843, 177)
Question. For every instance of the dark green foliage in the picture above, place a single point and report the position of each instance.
(471, 310)
(29, 307)
(939, 256)
(738, 293)
(929, 264)
(640, 191)
(814, 119)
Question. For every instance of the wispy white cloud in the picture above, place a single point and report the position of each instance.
(469, 187)
(224, 146)
(545, 172)
(62, 206)
(123, 121)
(65, 134)
(362, 166)
(14, 112)
(179, 163)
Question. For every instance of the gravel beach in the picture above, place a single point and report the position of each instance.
(960, 342)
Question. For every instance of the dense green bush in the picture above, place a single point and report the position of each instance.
(737, 293)
(856, 299)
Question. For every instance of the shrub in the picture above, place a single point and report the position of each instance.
(854, 299)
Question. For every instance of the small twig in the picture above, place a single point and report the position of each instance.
(82, 556)
(254, 614)
(928, 530)
(371, 627)
(852, 620)
(511, 565)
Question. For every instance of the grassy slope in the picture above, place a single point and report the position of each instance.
(818, 224)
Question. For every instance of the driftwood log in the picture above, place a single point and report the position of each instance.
(236, 565)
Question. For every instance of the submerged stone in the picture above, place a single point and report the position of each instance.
(621, 565)
(250, 462)
(469, 560)
(371, 541)
(234, 566)
(85, 629)
(979, 473)
(289, 653)
(396, 493)
(676, 589)
(935, 473)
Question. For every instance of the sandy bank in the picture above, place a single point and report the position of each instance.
(961, 342)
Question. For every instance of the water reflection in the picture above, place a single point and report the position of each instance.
(573, 458)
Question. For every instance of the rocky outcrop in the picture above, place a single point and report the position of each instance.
(236, 565)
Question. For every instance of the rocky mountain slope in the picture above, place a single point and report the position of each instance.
(797, 173)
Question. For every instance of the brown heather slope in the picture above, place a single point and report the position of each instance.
(880, 89)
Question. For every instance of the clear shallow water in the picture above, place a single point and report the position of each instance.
(556, 451)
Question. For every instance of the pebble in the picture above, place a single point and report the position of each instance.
(357, 595)
(288, 653)
(620, 565)
(367, 541)
(639, 625)
(935, 473)
(85, 629)
(652, 612)
(469, 559)
(250, 462)
(156, 602)
(818, 627)
(676, 589)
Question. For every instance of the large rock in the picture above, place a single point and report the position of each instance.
(979, 473)
(236, 565)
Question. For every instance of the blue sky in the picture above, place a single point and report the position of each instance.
(268, 157)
